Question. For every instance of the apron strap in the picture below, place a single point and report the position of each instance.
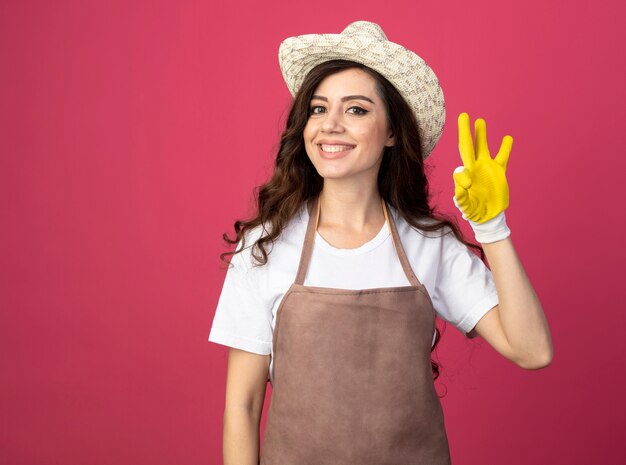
(404, 261)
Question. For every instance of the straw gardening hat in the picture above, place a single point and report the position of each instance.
(366, 43)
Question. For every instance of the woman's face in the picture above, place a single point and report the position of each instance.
(347, 129)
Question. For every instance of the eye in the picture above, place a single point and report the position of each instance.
(313, 108)
(361, 111)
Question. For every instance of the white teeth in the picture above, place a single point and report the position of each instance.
(335, 148)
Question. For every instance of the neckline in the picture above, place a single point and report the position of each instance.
(377, 240)
(313, 208)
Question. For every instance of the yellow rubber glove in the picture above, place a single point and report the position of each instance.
(481, 191)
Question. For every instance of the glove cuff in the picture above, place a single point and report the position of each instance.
(493, 230)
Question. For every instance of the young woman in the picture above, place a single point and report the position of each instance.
(341, 310)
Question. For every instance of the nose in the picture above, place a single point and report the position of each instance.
(332, 121)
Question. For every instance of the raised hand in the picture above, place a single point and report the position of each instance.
(481, 190)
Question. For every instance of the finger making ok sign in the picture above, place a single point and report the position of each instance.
(481, 190)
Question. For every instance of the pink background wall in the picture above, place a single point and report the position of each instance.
(131, 137)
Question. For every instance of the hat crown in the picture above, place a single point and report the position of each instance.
(365, 28)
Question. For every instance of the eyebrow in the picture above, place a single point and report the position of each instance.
(347, 97)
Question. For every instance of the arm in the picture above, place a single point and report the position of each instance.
(516, 327)
(246, 381)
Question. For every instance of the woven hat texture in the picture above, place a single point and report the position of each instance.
(366, 43)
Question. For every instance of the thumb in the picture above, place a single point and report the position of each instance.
(461, 197)
(461, 177)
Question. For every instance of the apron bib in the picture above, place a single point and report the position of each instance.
(353, 382)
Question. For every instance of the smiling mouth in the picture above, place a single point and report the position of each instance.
(334, 148)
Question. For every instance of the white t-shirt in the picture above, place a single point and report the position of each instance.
(460, 285)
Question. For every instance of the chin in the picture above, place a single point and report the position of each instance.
(330, 173)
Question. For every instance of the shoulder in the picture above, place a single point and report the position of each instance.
(427, 250)
(290, 238)
(421, 235)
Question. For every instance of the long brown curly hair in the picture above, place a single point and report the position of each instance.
(402, 180)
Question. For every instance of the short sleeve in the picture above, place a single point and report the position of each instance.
(242, 319)
(465, 290)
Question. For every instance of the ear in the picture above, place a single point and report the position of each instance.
(391, 140)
